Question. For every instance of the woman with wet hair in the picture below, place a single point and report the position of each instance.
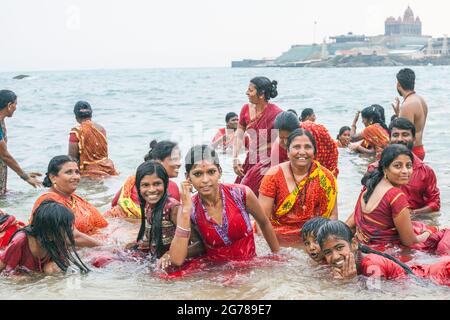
(298, 190)
(220, 212)
(158, 224)
(256, 119)
(375, 136)
(88, 144)
(62, 179)
(382, 216)
(47, 245)
(348, 258)
(126, 202)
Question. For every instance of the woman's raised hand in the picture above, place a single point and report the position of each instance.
(185, 195)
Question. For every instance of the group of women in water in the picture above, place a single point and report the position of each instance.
(286, 191)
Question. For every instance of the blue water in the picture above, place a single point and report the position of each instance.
(188, 105)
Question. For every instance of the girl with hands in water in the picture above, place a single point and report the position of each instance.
(349, 259)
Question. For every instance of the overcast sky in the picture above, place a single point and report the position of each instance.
(97, 34)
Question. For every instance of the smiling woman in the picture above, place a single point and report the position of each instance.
(62, 178)
(296, 191)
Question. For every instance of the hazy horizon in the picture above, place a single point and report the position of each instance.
(63, 35)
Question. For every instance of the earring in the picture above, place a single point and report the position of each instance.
(385, 176)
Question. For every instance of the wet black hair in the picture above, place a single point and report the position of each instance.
(402, 124)
(82, 110)
(375, 113)
(342, 130)
(306, 113)
(388, 156)
(286, 121)
(298, 133)
(339, 230)
(293, 111)
(52, 226)
(201, 153)
(54, 166)
(311, 227)
(407, 79)
(149, 168)
(160, 150)
(265, 87)
(7, 97)
(229, 116)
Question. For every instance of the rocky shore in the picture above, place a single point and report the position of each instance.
(376, 61)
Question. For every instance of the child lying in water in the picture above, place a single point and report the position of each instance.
(349, 259)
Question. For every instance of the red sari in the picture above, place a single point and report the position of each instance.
(233, 240)
(8, 228)
(259, 129)
(377, 229)
(377, 266)
(327, 155)
(18, 257)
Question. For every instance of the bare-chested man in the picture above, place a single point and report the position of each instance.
(414, 107)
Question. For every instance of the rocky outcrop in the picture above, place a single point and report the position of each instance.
(21, 76)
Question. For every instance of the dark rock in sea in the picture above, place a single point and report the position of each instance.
(21, 76)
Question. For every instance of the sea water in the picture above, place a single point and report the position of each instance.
(188, 106)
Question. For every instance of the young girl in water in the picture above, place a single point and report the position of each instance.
(349, 259)
(47, 245)
(158, 223)
(220, 212)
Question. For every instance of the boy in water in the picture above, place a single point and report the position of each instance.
(309, 234)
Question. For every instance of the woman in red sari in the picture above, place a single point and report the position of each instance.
(375, 137)
(299, 190)
(8, 226)
(126, 203)
(220, 213)
(349, 259)
(62, 179)
(256, 119)
(382, 215)
(87, 144)
(47, 245)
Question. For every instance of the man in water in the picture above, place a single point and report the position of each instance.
(421, 190)
(414, 107)
(8, 105)
(224, 137)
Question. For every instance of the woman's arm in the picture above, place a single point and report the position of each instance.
(256, 210)
(179, 247)
(405, 229)
(334, 213)
(266, 204)
(74, 151)
(83, 240)
(351, 222)
(237, 145)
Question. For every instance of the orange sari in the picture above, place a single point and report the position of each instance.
(377, 137)
(126, 207)
(93, 149)
(87, 218)
(314, 196)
